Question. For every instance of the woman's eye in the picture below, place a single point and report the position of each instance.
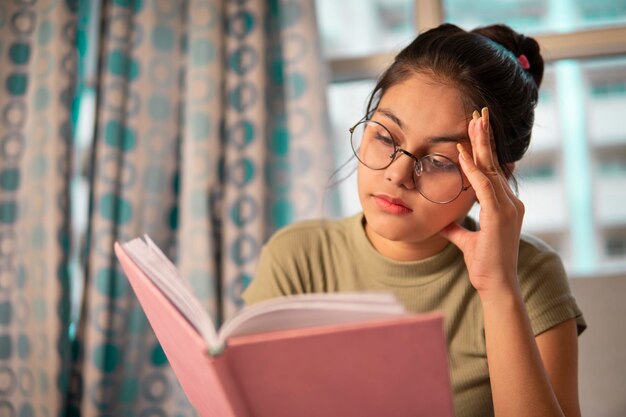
(384, 139)
(442, 163)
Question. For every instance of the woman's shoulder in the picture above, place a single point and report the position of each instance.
(538, 260)
(532, 246)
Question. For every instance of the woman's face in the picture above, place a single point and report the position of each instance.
(424, 117)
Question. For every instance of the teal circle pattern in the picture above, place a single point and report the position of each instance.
(240, 24)
(283, 212)
(39, 166)
(111, 283)
(200, 125)
(242, 172)
(159, 107)
(156, 388)
(21, 277)
(106, 357)
(161, 72)
(14, 115)
(198, 203)
(109, 319)
(6, 347)
(6, 313)
(20, 53)
(122, 65)
(23, 347)
(280, 141)
(10, 179)
(202, 52)
(163, 38)
(42, 98)
(129, 390)
(133, 5)
(137, 321)
(8, 212)
(243, 96)
(243, 60)
(244, 249)
(154, 179)
(44, 33)
(116, 208)
(297, 85)
(157, 357)
(241, 134)
(39, 307)
(39, 237)
(119, 136)
(236, 288)
(245, 210)
(290, 12)
(17, 84)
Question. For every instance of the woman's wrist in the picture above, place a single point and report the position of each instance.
(505, 292)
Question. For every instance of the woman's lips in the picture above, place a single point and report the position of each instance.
(391, 205)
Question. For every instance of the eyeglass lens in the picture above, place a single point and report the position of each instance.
(436, 177)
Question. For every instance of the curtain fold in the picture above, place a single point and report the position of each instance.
(211, 133)
(36, 94)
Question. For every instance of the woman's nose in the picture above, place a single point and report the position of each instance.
(400, 172)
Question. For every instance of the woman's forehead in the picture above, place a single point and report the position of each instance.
(421, 100)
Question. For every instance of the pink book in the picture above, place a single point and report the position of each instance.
(346, 354)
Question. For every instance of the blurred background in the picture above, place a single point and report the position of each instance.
(210, 124)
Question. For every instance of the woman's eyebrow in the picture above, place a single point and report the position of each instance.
(452, 138)
(389, 114)
(448, 139)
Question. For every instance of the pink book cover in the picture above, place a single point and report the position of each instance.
(203, 378)
(395, 367)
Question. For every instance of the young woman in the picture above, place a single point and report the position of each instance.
(444, 127)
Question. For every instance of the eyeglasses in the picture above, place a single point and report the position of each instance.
(436, 177)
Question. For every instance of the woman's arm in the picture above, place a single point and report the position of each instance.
(528, 377)
(559, 352)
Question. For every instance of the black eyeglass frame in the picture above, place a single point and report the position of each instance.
(417, 162)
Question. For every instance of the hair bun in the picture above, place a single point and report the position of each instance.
(519, 45)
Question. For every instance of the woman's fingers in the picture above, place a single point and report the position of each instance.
(485, 157)
(483, 185)
(458, 235)
(484, 153)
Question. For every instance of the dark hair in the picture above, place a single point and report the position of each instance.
(483, 64)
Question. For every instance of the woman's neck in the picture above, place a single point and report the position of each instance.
(406, 251)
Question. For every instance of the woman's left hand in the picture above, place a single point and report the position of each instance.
(490, 253)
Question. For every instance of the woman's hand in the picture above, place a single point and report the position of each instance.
(490, 253)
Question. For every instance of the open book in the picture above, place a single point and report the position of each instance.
(308, 355)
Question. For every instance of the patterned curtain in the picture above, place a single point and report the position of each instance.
(210, 133)
(36, 92)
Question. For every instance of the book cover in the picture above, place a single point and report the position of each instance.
(389, 366)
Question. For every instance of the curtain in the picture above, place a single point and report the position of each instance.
(36, 94)
(210, 133)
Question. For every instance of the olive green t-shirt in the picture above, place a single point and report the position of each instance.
(335, 256)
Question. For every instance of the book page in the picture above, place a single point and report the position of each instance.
(166, 277)
(290, 312)
(310, 310)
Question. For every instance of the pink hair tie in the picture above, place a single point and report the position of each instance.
(523, 62)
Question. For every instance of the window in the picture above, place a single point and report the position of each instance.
(537, 16)
(374, 26)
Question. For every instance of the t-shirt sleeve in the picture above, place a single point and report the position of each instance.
(545, 288)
